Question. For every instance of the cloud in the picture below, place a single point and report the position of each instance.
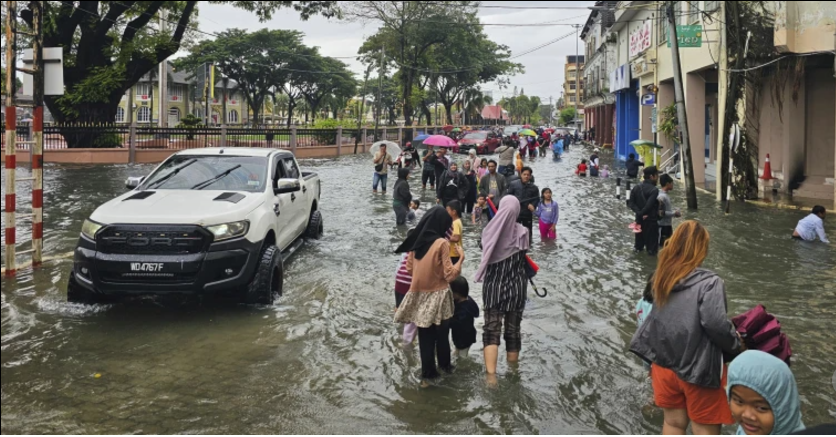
(544, 68)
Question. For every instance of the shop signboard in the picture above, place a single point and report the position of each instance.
(620, 78)
(688, 36)
(641, 39)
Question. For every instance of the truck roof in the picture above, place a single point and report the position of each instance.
(235, 151)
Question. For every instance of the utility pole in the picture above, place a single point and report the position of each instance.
(11, 137)
(38, 84)
(207, 84)
(577, 74)
(162, 78)
(379, 93)
(551, 111)
(681, 112)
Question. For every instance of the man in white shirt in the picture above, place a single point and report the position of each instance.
(812, 226)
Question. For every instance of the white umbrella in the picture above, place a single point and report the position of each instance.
(391, 148)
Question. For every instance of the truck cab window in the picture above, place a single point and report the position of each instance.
(291, 170)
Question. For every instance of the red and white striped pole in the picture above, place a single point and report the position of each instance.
(38, 187)
(9, 216)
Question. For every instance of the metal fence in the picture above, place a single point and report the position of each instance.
(143, 137)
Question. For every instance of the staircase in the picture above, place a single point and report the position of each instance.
(815, 187)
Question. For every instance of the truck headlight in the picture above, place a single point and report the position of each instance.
(90, 228)
(228, 231)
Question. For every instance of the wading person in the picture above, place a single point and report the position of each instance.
(429, 302)
(472, 187)
(440, 164)
(644, 201)
(687, 336)
(502, 271)
(507, 151)
(812, 226)
(633, 166)
(493, 185)
(666, 211)
(452, 186)
(402, 198)
(529, 197)
(428, 172)
(763, 395)
(382, 162)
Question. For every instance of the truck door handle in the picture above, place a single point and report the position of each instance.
(292, 197)
(304, 189)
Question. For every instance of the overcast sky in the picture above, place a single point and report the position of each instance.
(510, 23)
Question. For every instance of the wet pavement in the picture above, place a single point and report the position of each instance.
(327, 357)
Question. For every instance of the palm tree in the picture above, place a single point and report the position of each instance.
(475, 100)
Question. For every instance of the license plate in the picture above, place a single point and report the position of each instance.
(147, 267)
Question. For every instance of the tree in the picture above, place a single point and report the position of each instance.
(545, 113)
(475, 101)
(406, 37)
(109, 46)
(257, 61)
(568, 116)
(334, 77)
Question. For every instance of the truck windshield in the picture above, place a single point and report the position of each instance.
(249, 173)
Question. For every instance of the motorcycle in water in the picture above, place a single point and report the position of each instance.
(407, 159)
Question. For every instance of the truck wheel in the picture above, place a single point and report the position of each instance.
(315, 226)
(268, 279)
(78, 294)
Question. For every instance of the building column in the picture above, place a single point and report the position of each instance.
(794, 139)
(695, 103)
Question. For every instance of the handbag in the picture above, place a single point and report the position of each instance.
(378, 168)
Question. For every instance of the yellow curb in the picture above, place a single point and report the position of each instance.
(779, 205)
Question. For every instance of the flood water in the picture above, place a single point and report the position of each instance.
(327, 358)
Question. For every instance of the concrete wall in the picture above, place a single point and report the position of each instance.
(805, 26)
(121, 156)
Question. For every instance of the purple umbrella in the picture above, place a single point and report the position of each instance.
(440, 141)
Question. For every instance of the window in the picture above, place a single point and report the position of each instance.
(174, 115)
(175, 93)
(290, 169)
(216, 117)
(143, 115)
(143, 91)
(712, 6)
(693, 12)
(232, 117)
(120, 114)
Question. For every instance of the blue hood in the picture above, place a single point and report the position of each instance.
(771, 378)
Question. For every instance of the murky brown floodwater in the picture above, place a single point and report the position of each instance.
(327, 358)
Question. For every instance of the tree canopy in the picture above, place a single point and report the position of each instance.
(109, 45)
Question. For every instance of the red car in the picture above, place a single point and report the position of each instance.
(484, 142)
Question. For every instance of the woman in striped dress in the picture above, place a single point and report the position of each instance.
(502, 270)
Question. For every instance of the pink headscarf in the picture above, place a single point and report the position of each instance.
(503, 237)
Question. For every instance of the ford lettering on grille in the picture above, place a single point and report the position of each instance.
(147, 267)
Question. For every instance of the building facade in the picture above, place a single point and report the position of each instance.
(183, 98)
(598, 101)
(573, 84)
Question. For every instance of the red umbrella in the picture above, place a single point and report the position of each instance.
(528, 126)
(448, 128)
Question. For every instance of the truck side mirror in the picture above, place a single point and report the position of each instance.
(284, 186)
(134, 182)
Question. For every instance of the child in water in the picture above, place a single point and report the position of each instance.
(643, 308)
(581, 171)
(763, 395)
(548, 211)
(605, 173)
(466, 310)
(414, 209)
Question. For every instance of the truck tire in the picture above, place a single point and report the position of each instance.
(78, 294)
(315, 226)
(268, 279)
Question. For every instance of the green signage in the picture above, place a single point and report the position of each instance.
(688, 36)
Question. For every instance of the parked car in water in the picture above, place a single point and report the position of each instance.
(205, 221)
(484, 142)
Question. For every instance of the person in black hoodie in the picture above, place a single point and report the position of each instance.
(633, 166)
(452, 185)
(462, 324)
(402, 197)
(529, 196)
(644, 201)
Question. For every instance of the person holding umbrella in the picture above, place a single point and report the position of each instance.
(502, 270)
(429, 302)
(529, 197)
(382, 162)
(428, 173)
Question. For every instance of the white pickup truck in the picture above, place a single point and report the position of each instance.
(205, 221)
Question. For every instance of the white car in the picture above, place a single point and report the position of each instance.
(205, 221)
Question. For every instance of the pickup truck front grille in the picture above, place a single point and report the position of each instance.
(148, 278)
(153, 240)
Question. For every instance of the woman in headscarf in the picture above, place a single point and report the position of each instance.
(763, 395)
(502, 270)
(429, 302)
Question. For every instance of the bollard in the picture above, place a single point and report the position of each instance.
(618, 188)
(627, 187)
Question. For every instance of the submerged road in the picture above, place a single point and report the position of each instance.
(327, 358)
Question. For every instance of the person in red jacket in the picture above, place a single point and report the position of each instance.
(581, 171)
